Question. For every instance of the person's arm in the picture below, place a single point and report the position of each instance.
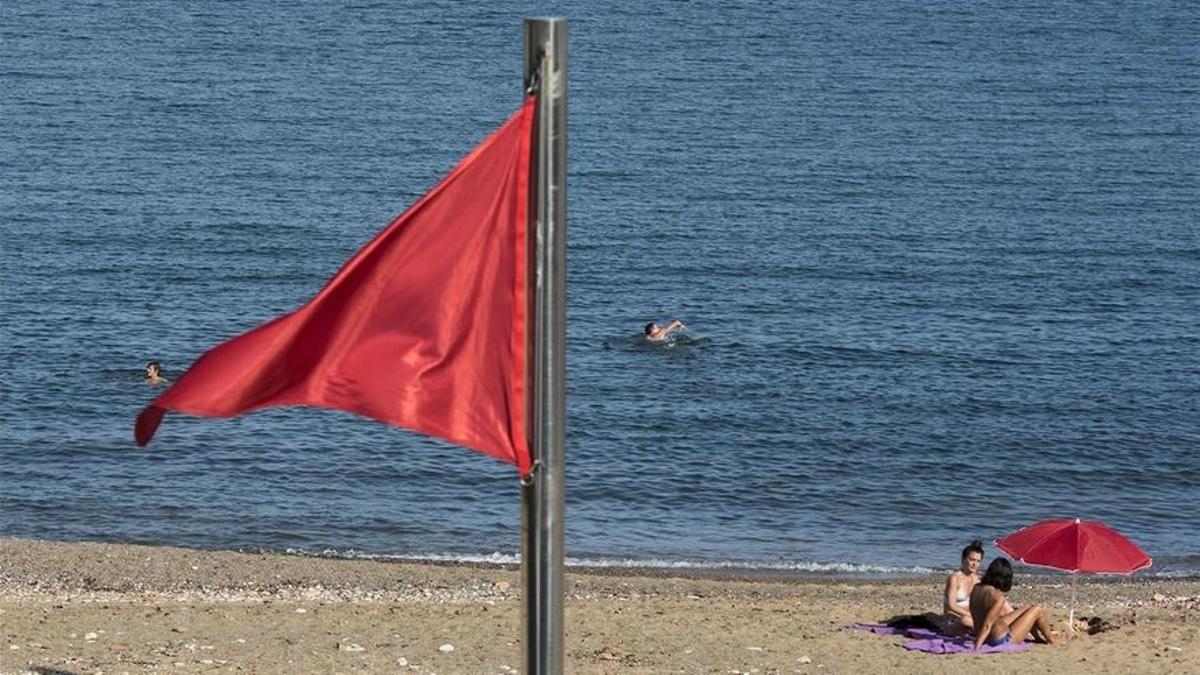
(950, 601)
(982, 632)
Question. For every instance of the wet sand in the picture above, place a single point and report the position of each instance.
(87, 608)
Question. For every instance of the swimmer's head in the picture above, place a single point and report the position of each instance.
(651, 327)
(153, 369)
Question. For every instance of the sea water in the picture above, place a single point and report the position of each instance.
(939, 263)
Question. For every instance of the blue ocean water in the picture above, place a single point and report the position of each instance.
(939, 262)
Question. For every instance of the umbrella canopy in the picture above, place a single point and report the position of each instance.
(1075, 545)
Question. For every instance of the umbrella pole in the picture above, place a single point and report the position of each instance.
(1071, 615)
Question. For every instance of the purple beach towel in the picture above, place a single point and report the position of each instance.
(933, 642)
(961, 645)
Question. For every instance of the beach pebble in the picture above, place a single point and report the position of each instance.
(90, 636)
(804, 659)
(755, 649)
(352, 647)
(14, 647)
(301, 610)
(502, 586)
(402, 662)
(446, 648)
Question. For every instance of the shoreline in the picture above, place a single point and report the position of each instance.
(731, 571)
(84, 607)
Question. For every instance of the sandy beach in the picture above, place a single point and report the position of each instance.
(88, 608)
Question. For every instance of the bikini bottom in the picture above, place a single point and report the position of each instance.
(996, 642)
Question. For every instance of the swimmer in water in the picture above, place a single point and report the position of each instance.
(154, 373)
(658, 333)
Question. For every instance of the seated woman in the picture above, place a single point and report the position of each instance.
(993, 625)
(955, 618)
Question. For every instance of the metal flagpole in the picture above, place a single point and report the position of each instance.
(542, 495)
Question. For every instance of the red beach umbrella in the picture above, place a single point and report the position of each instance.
(1075, 546)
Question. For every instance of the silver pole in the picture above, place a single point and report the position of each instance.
(1071, 615)
(542, 496)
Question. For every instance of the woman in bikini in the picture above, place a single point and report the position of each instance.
(956, 613)
(994, 626)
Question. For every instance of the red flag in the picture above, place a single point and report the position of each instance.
(423, 328)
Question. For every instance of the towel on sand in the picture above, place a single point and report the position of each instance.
(933, 642)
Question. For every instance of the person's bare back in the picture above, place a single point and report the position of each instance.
(996, 623)
(983, 599)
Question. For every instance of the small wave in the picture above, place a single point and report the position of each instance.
(495, 558)
(653, 564)
(891, 355)
(123, 375)
(638, 342)
(746, 566)
(685, 340)
(674, 341)
(1185, 567)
